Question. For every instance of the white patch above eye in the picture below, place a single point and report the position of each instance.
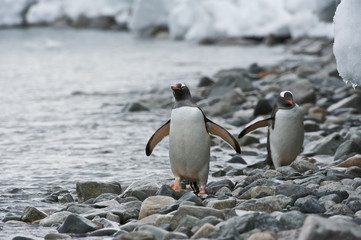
(182, 85)
(282, 94)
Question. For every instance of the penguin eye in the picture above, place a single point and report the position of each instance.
(183, 86)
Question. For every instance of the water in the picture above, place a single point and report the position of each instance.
(62, 99)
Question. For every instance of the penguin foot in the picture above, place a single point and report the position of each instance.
(176, 185)
(202, 191)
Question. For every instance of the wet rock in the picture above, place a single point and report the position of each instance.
(346, 148)
(248, 140)
(267, 204)
(168, 209)
(56, 218)
(149, 188)
(104, 232)
(222, 204)
(158, 233)
(195, 212)
(56, 236)
(311, 126)
(112, 217)
(303, 92)
(191, 197)
(175, 235)
(354, 205)
(186, 223)
(327, 145)
(311, 205)
(166, 190)
(154, 203)
(212, 188)
(316, 227)
(234, 226)
(104, 197)
(293, 190)
(264, 191)
(205, 82)
(88, 190)
(22, 238)
(263, 107)
(302, 165)
(352, 161)
(79, 208)
(77, 224)
(204, 231)
(267, 235)
(227, 81)
(219, 173)
(135, 107)
(140, 235)
(287, 171)
(330, 197)
(12, 216)
(237, 159)
(31, 214)
(335, 174)
(209, 219)
(354, 171)
(340, 209)
(67, 198)
(352, 101)
(292, 220)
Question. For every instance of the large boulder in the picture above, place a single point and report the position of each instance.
(88, 190)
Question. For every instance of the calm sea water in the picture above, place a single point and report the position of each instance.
(61, 108)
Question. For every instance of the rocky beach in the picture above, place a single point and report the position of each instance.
(317, 197)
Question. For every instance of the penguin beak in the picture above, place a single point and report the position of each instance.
(174, 88)
(289, 101)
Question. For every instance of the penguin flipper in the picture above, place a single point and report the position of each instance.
(215, 129)
(254, 126)
(162, 132)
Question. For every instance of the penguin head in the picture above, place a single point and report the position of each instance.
(285, 100)
(181, 92)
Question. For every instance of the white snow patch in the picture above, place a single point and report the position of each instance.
(45, 12)
(347, 44)
(11, 10)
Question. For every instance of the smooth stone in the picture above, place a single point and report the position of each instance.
(301, 165)
(354, 171)
(204, 231)
(209, 219)
(311, 205)
(112, 217)
(267, 204)
(104, 232)
(67, 198)
(350, 162)
(241, 224)
(186, 223)
(77, 224)
(223, 191)
(265, 190)
(327, 145)
(163, 219)
(354, 205)
(248, 140)
(335, 174)
(157, 232)
(331, 197)
(129, 227)
(12, 216)
(303, 92)
(237, 159)
(166, 190)
(292, 220)
(141, 235)
(79, 208)
(352, 101)
(105, 222)
(31, 214)
(213, 187)
(135, 107)
(263, 107)
(271, 173)
(191, 197)
(55, 236)
(198, 212)
(287, 171)
(22, 238)
(104, 197)
(56, 218)
(267, 235)
(168, 209)
(154, 203)
(149, 188)
(346, 148)
(175, 235)
(293, 190)
(205, 81)
(88, 190)
(320, 228)
(340, 209)
(222, 204)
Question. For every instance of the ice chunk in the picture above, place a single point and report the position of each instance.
(347, 45)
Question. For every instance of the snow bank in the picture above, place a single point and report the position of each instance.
(45, 12)
(347, 45)
(11, 12)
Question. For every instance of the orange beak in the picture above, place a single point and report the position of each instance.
(290, 102)
(174, 88)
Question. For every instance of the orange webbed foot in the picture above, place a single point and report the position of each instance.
(176, 185)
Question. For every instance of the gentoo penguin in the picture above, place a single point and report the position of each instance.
(285, 131)
(189, 140)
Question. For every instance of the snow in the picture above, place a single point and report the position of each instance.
(347, 44)
(187, 19)
(45, 12)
